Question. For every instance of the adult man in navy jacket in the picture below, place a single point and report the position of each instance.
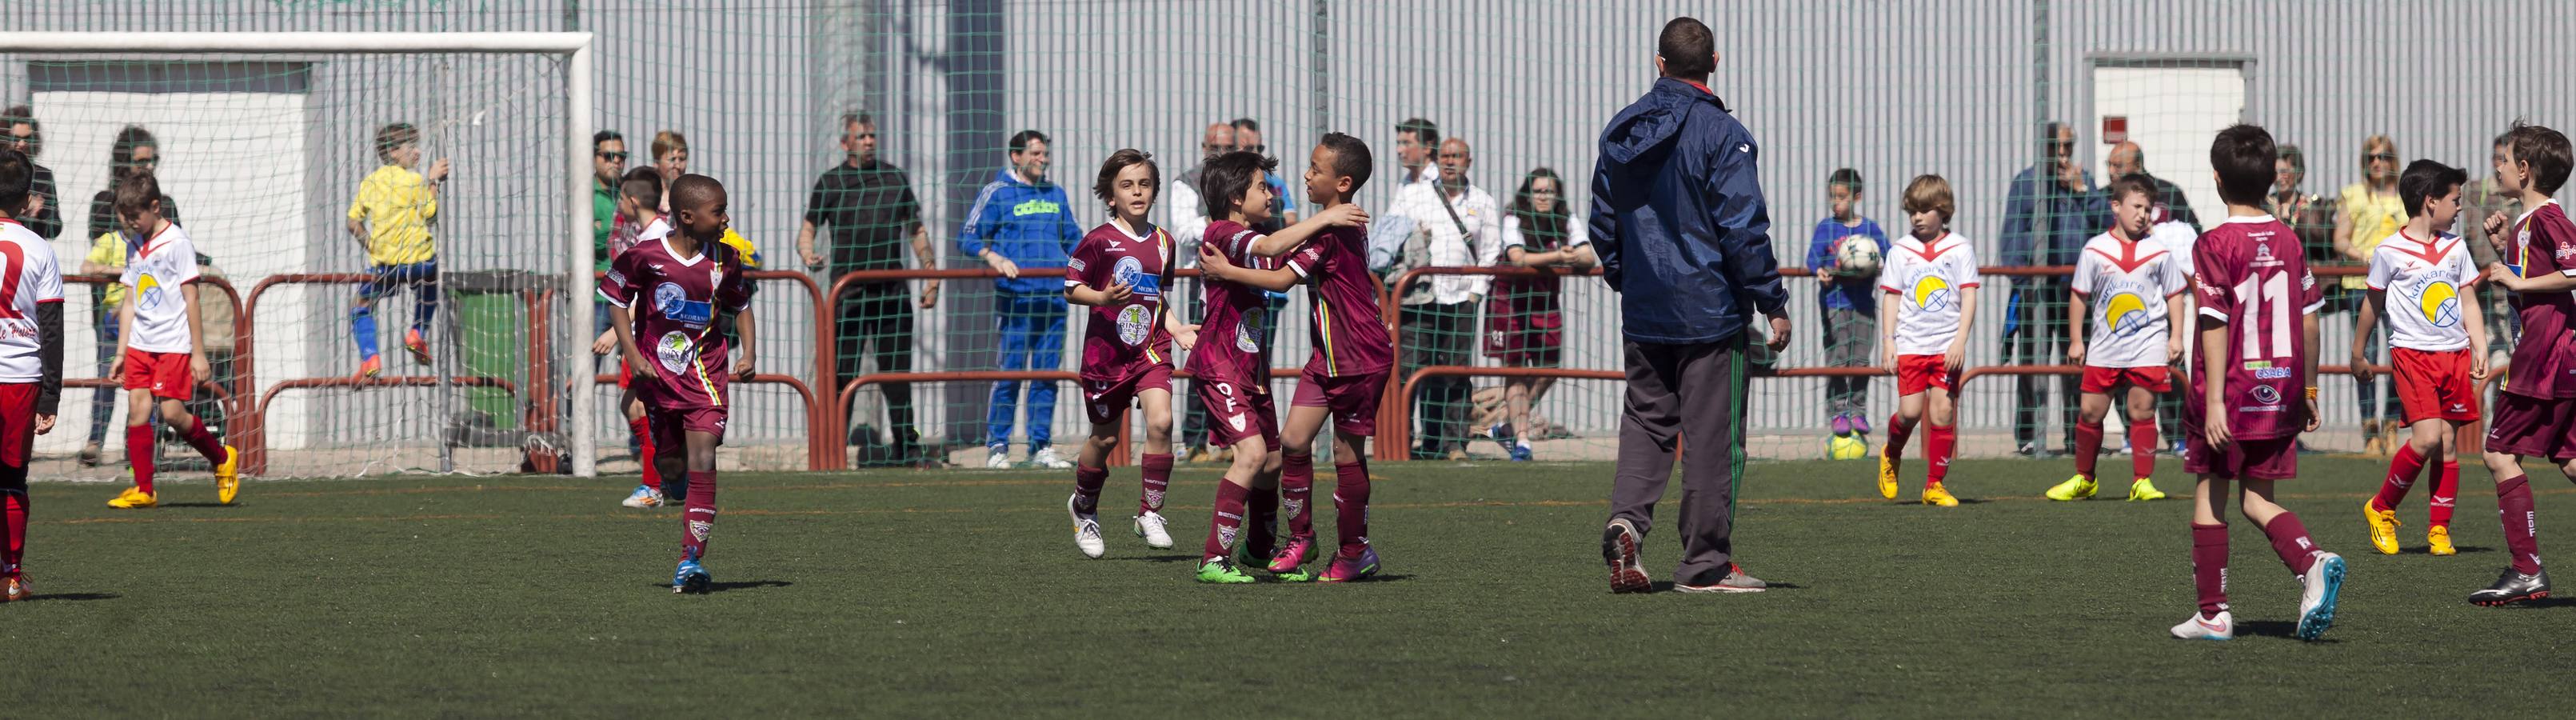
(1684, 237)
(1021, 221)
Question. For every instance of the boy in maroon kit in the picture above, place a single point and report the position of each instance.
(2258, 328)
(1119, 270)
(2536, 413)
(1346, 375)
(671, 291)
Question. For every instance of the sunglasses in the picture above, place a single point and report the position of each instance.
(143, 162)
(2391, 157)
(613, 156)
(1218, 148)
(1254, 148)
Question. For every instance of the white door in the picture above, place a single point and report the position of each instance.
(2173, 112)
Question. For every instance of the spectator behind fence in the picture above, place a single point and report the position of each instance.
(872, 214)
(20, 131)
(2311, 217)
(1283, 206)
(1464, 226)
(1847, 303)
(2035, 314)
(135, 151)
(2128, 159)
(1022, 221)
(1525, 319)
(607, 166)
(1189, 223)
(2365, 213)
(2484, 198)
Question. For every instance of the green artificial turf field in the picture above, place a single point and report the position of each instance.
(903, 594)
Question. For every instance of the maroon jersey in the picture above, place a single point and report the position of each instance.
(1348, 331)
(1233, 334)
(1124, 339)
(2544, 361)
(675, 303)
(2252, 276)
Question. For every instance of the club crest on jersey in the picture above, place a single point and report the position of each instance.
(2263, 256)
(674, 303)
(1247, 334)
(1133, 322)
(1930, 292)
(675, 350)
(1131, 273)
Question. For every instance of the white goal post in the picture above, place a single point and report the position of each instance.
(573, 47)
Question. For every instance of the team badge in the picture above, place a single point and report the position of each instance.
(675, 350)
(1133, 323)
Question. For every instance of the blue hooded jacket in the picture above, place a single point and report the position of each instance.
(1679, 220)
(1030, 224)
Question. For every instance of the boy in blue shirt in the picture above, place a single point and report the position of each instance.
(1849, 305)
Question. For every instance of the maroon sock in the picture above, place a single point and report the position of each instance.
(1938, 442)
(2446, 489)
(700, 519)
(138, 452)
(14, 515)
(2209, 567)
(2088, 447)
(1350, 506)
(644, 451)
(1158, 478)
(2142, 449)
(2290, 540)
(203, 441)
(1297, 492)
(1897, 433)
(1086, 488)
(2521, 525)
(1226, 521)
(2401, 476)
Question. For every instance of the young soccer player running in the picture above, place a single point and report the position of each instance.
(1923, 333)
(2440, 341)
(1120, 269)
(2536, 413)
(671, 291)
(2130, 286)
(31, 359)
(1346, 375)
(390, 217)
(2241, 420)
(639, 220)
(161, 354)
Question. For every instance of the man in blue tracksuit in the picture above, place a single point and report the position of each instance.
(1021, 221)
(1684, 238)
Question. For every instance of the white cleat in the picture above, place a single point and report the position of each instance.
(645, 496)
(2222, 627)
(1150, 526)
(999, 460)
(1086, 531)
(1046, 458)
(2322, 584)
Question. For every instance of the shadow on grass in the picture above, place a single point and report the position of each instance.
(718, 587)
(2547, 602)
(1165, 558)
(75, 597)
(2276, 628)
(200, 505)
(1666, 586)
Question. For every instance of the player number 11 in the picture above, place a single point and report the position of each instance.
(2259, 293)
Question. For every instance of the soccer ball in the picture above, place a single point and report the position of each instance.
(1856, 256)
(1846, 447)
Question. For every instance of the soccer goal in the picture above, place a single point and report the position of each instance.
(307, 169)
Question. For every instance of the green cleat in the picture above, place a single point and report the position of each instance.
(2075, 488)
(1221, 571)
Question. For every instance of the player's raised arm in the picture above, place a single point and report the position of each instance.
(1289, 238)
(1214, 263)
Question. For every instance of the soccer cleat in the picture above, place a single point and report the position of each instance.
(1197, 454)
(1086, 529)
(2075, 488)
(228, 476)
(690, 579)
(1886, 476)
(1221, 571)
(2222, 627)
(1842, 425)
(371, 367)
(1501, 434)
(2144, 489)
(2440, 538)
(645, 496)
(1619, 548)
(1291, 560)
(419, 346)
(2383, 527)
(999, 460)
(1343, 569)
(2323, 582)
(89, 455)
(134, 498)
(1155, 530)
(1860, 424)
(1734, 581)
(2512, 587)
(1938, 495)
(1521, 453)
(15, 588)
(1045, 457)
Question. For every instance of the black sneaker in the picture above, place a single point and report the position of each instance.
(2513, 587)
(1619, 548)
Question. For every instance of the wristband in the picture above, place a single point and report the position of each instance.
(2312, 392)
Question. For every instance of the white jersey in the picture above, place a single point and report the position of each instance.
(154, 272)
(1927, 279)
(2126, 284)
(2177, 237)
(2424, 281)
(28, 277)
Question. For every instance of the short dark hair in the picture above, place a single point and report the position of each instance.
(1688, 50)
(2298, 158)
(1424, 131)
(642, 184)
(2502, 138)
(691, 189)
(1351, 158)
(1245, 123)
(1020, 140)
(394, 136)
(136, 193)
(2425, 179)
(2547, 152)
(857, 118)
(1118, 163)
(1845, 177)
(2243, 154)
(1227, 176)
(604, 136)
(2133, 184)
(17, 178)
(24, 115)
(120, 156)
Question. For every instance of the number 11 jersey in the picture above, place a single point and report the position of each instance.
(2250, 274)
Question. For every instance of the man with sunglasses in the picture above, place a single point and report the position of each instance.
(2035, 330)
(871, 214)
(19, 131)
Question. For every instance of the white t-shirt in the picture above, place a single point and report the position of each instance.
(2177, 237)
(28, 262)
(2424, 281)
(1927, 278)
(154, 272)
(2126, 285)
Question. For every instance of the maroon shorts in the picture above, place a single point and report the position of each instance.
(1352, 398)
(1105, 400)
(17, 423)
(2100, 380)
(1916, 373)
(670, 426)
(2435, 385)
(1237, 411)
(2267, 459)
(165, 374)
(2533, 427)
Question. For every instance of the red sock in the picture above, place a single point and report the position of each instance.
(14, 515)
(644, 451)
(1158, 478)
(2142, 449)
(2446, 488)
(700, 519)
(1226, 521)
(2521, 526)
(2290, 540)
(1937, 443)
(1350, 506)
(2401, 476)
(2088, 447)
(1297, 491)
(203, 441)
(1897, 433)
(1086, 488)
(2209, 567)
(138, 452)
